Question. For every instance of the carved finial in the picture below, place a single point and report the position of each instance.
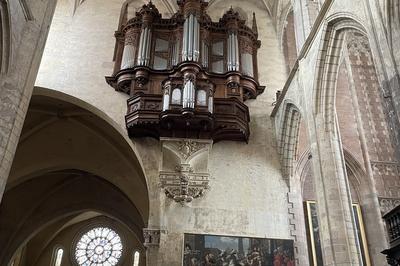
(254, 28)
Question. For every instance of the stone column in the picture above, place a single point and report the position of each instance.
(335, 217)
(301, 23)
(16, 84)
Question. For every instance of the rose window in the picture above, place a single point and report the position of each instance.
(100, 246)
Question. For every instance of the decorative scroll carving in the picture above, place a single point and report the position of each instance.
(131, 37)
(188, 147)
(178, 177)
(390, 173)
(151, 237)
(388, 204)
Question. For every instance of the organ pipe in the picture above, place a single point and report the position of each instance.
(237, 59)
(128, 56)
(191, 39)
(188, 95)
(167, 92)
(144, 47)
(204, 56)
(233, 52)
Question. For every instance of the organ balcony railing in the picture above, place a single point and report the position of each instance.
(187, 76)
(392, 219)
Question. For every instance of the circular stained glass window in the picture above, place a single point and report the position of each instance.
(100, 246)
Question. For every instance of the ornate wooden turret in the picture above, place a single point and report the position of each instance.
(188, 77)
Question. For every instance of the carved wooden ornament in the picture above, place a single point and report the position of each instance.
(188, 77)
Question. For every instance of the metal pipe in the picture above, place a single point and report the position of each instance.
(190, 48)
(148, 47)
(196, 39)
(184, 99)
(210, 104)
(230, 52)
(237, 61)
(185, 40)
(143, 59)
(139, 58)
(128, 57)
(192, 95)
(166, 99)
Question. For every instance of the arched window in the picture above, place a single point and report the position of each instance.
(136, 258)
(58, 255)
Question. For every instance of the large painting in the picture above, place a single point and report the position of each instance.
(207, 250)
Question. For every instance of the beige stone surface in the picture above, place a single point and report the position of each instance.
(247, 194)
(256, 188)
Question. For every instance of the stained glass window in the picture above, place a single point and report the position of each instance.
(100, 246)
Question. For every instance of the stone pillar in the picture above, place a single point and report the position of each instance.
(16, 84)
(338, 238)
(297, 222)
(152, 243)
(301, 23)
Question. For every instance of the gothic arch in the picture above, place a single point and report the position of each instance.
(288, 39)
(328, 65)
(60, 196)
(325, 118)
(71, 159)
(281, 19)
(72, 134)
(288, 138)
(5, 37)
(357, 175)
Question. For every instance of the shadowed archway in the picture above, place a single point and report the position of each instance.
(71, 161)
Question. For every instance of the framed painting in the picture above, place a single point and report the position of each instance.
(314, 238)
(207, 250)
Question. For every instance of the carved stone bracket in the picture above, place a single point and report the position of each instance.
(387, 204)
(151, 237)
(184, 172)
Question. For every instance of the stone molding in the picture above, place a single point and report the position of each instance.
(184, 173)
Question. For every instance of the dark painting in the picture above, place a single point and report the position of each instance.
(207, 250)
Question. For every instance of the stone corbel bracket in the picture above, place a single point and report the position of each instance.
(151, 237)
(184, 173)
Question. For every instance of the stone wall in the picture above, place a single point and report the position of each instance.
(251, 191)
(359, 132)
(247, 195)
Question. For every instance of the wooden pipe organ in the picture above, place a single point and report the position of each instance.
(188, 77)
